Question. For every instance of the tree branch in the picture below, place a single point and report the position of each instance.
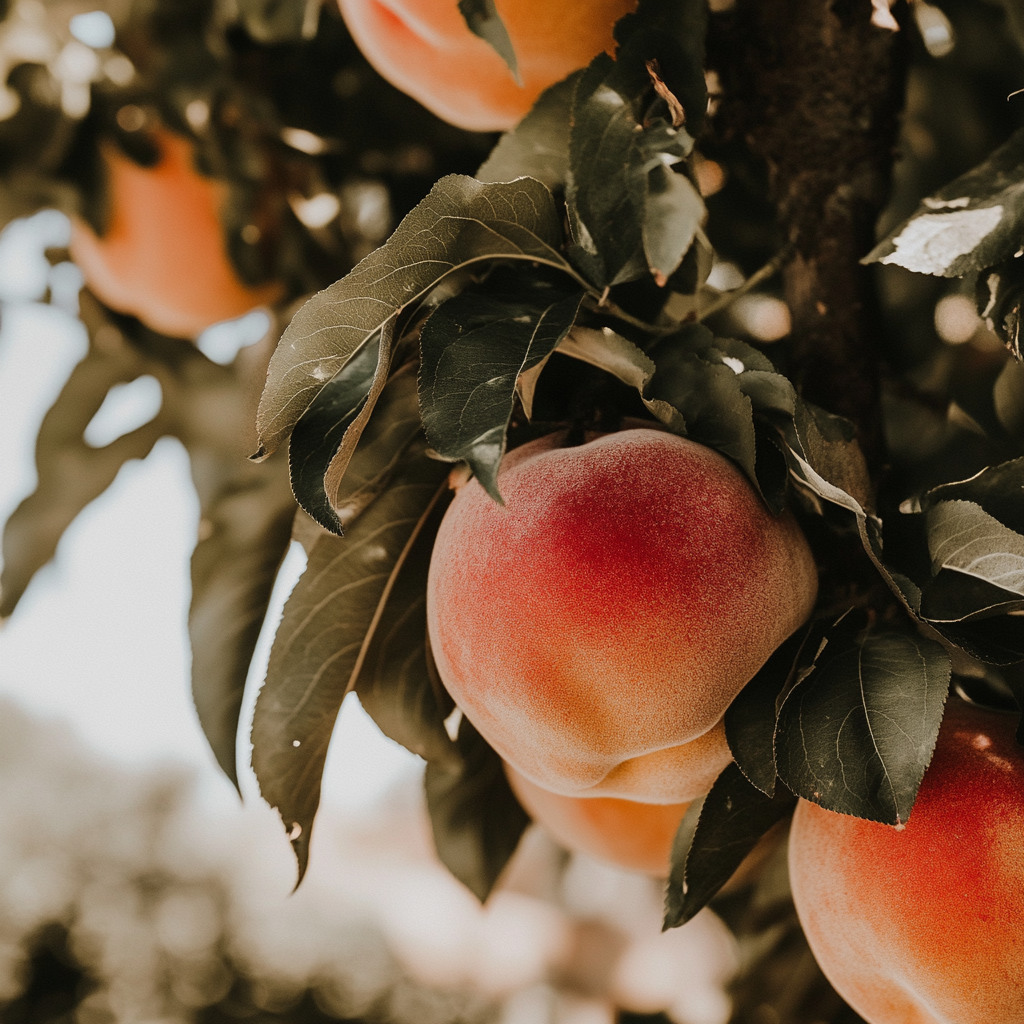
(815, 89)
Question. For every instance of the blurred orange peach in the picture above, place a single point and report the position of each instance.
(164, 257)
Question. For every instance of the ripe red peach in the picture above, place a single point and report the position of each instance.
(925, 925)
(599, 624)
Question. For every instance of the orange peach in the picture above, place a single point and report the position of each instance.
(596, 627)
(632, 835)
(425, 48)
(163, 257)
(925, 925)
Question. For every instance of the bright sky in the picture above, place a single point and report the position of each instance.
(99, 639)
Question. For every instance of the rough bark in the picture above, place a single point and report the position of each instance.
(816, 91)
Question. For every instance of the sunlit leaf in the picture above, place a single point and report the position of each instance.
(963, 536)
(462, 221)
(998, 489)
(972, 223)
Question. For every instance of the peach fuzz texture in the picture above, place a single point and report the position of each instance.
(425, 48)
(608, 615)
(925, 925)
(632, 835)
(163, 257)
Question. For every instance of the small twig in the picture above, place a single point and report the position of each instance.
(772, 267)
(611, 309)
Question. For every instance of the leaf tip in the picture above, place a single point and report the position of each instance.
(299, 838)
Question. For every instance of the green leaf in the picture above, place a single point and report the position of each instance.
(998, 489)
(612, 156)
(538, 147)
(398, 684)
(1008, 398)
(245, 527)
(750, 719)
(673, 213)
(473, 350)
(629, 212)
(974, 222)
(670, 33)
(953, 596)
(996, 640)
(320, 647)
(461, 222)
(382, 444)
(707, 394)
(325, 426)
(714, 837)
(855, 735)
(1000, 295)
(476, 819)
(963, 536)
(483, 20)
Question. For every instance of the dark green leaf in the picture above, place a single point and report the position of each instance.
(953, 596)
(476, 818)
(974, 222)
(963, 536)
(1000, 294)
(473, 350)
(750, 719)
(246, 523)
(673, 212)
(707, 394)
(538, 147)
(827, 446)
(612, 157)
(462, 221)
(323, 427)
(999, 490)
(388, 433)
(671, 34)
(856, 734)
(714, 837)
(483, 20)
(398, 685)
(1008, 399)
(998, 640)
(629, 212)
(326, 629)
